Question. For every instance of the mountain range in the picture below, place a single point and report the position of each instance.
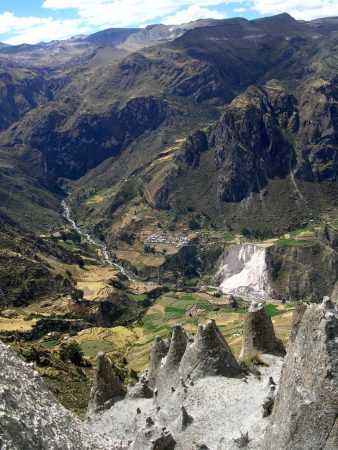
(220, 127)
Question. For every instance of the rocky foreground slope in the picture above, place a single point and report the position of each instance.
(195, 394)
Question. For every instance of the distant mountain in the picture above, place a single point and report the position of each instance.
(110, 37)
(159, 34)
(226, 124)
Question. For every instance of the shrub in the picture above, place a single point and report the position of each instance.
(71, 352)
(77, 295)
(126, 236)
(243, 440)
(194, 225)
(148, 249)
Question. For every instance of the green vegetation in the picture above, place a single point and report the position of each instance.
(273, 310)
(92, 348)
(293, 242)
(71, 352)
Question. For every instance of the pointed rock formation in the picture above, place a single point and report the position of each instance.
(296, 320)
(141, 390)
(209, 355)
(304, 416)
(159, 351)
(107, 386)
(259, 334)
(186, 420)
(171, 364)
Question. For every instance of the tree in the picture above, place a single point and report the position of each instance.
(77, 295)
(80, 262)
(71, 352)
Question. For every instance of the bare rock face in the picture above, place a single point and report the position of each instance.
(305, 412)
(107, 386)
(296, 320)
(259, 334)
(209, 355)
(159, 351)
(31, 418)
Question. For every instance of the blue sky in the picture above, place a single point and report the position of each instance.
(32, 21)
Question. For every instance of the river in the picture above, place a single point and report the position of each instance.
(67, 214)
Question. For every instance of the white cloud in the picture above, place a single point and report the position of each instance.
(299, 9)
(93, 15)
(192, 13)
(114, 13)
(30, 30)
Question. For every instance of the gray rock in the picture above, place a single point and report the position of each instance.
(186, 420)
(171, 363)
(159, 351)
(153, 437)
(107, 386)
(259, 334)
(269, 402)
(209, 355)
(305, 412)
(31, 418)
(141, 390)
(296, 320)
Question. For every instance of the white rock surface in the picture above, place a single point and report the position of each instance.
(244, 271)
(220, 407)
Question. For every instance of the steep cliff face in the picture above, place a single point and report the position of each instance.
(305, 412)
(244, 271)
(25, 266)
(318, 131)
(21, 90)
(248, 144)
(302, 272)
(280, 271)
(71, 149)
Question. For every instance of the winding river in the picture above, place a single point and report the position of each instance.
(67, 214)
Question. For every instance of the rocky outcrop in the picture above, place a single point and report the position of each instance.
(208, 355)
(153, 437)
(159, 351)
(32, 419)
(141, 389)
(305, 412)
(107, 387)
(259, 334)
(20, 91)
(296, 320)
(305, 272)
(318, 133)
(171, 363)
(70, 150)
(185, 361)
(249, 146)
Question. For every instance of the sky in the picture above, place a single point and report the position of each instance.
(33, 21)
